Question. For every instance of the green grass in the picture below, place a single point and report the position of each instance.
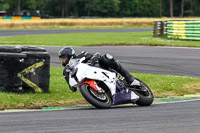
(93, 39)
(60, 95)
(166, 85)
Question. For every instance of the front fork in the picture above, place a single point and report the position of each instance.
(94, 86)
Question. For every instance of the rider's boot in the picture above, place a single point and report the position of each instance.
(129, 78)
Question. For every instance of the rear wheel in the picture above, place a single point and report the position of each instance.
(145, 94)
(99, 100)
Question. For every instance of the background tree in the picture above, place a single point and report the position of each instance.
(34, 5)
(18, 7)
(160, 8)
(149, 8)
(171, 7)
(104, 8)
(191, 5)
(182, 8)
(195, 8)
(4, 6)
(140, 8)
(12, 6)
(129, 8)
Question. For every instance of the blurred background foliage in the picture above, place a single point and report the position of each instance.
(102, 8)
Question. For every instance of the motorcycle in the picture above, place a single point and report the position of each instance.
(104, 88)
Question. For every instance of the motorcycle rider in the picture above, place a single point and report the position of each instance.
(106, 60)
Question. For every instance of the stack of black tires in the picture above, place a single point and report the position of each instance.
(24, 69)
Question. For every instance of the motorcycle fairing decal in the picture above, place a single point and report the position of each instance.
(122, 97)
(31, 69)
(91, 83)
(106, 75)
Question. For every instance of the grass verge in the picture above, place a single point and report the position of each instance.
(93, 39)
(60, 95)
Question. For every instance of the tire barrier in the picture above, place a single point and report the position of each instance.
(184, 30)
(18, 17)
(24, 69)
(189, 30)
(160, 28)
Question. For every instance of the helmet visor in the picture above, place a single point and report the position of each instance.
(64, 60)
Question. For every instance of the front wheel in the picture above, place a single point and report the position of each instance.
(145, 94)
(99, 100)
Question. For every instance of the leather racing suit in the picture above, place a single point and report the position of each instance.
(107, 61)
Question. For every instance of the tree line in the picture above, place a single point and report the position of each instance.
(104, 8)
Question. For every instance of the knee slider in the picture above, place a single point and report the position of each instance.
(109, 57)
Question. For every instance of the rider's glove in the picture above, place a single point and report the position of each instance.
(85, 54)
(95, 59)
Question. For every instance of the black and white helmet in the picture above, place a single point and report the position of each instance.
(65, 54)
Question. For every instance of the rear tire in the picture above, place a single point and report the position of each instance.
(86, 91)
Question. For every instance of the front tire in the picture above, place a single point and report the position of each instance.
(101, 103)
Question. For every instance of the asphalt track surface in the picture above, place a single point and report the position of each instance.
(158, 118)
(36, 32)
(156, 60)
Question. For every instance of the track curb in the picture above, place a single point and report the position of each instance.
(178, 98)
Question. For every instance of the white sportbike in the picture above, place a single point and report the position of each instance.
(104, 88)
